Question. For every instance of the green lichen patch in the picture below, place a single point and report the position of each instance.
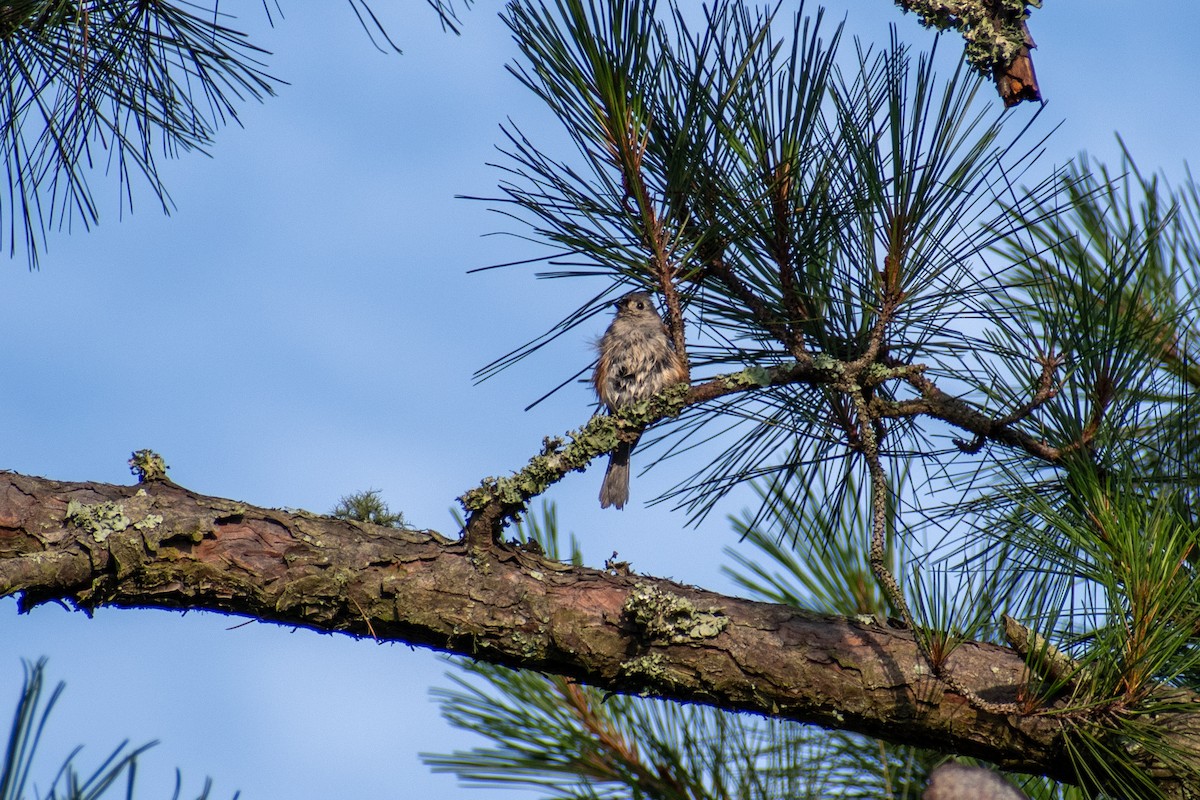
(993, 29)
(827, 363)
(878, 373)
(105, 518)
(99, 519)
(148, 523)
(651, 670)
(749, 377)
(666, 617)
(148, 465)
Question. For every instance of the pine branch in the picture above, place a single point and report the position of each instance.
(159, 545)
(127, 79)
(497, 501)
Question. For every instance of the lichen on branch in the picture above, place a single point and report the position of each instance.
(994, 30)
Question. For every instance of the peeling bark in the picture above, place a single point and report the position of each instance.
(1017, 81)
(160, 545)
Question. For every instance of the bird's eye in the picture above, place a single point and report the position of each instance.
(640, 305)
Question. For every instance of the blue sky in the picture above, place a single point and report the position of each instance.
(303, 327)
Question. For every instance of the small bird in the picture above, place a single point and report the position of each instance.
(637, 360)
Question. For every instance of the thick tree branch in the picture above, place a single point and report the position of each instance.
(161, 546)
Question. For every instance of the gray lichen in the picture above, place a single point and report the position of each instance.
(148, 523)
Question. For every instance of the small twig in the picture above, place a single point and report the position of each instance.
(939, 405)
(720, 271)
(1047, 389)
(1044, 658)
(780, 181)
(869, 448)
(674, 312)
(496, 501)
(972, 697)
(366, 619)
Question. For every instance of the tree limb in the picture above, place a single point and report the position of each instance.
(497, 501)
(160, 545)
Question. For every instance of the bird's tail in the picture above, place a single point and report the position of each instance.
(615, 489)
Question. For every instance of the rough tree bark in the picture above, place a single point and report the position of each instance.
(160, 545)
